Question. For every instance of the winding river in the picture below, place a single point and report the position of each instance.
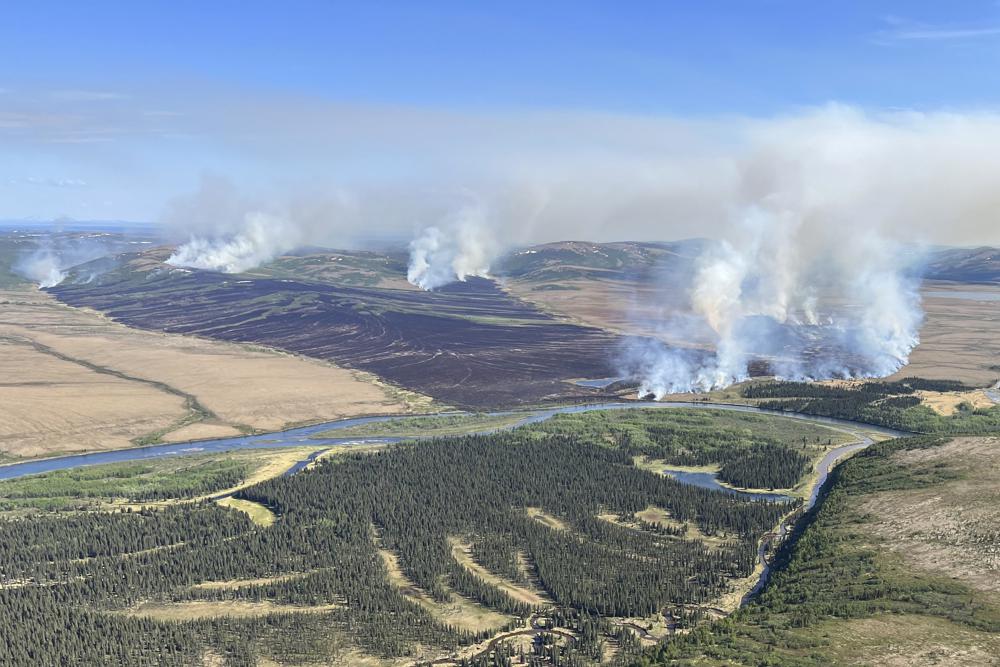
(305, 436)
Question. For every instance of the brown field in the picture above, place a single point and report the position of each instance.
(186, 611)
(240, 583)
(48, 405)
(907, 641)
(538, 514)
(951, 528)
(74, 381)
(960, 339)
(946, 403)
(624, 307)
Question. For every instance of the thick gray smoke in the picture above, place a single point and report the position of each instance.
(803, 303)
(458, 249)
(49, 263)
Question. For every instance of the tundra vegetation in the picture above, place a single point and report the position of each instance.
(897, 565)
(892, 404)
(418, 551)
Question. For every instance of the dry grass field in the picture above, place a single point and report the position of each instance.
(908, 640)
(185, 611)
(459, 612)
(73, 380)
(951, 528)
(960, 339)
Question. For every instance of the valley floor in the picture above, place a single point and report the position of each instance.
(73, 380)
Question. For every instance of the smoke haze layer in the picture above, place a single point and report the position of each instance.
(49, 263)
(806, 213)
(922, 177)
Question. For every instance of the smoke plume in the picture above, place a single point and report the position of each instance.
(261, 238)
(462, 248)
(804, 215)
(804, 303)
(43, 266)
(49, 263)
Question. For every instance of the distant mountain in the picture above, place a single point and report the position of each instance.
(573, 260)
(966, 265)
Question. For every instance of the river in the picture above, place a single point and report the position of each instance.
(300, 437)
(303, 436)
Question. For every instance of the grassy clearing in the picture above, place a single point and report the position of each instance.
(658, 465)
(459, 611)
(89, 486)
(231, 584)
(439, 425)
(187, 611)
(462, 552)
(644, 426)
(147, 483)
(538, 514)
(259, 514)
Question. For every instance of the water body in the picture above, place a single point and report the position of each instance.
(597, 383)
(303, 436)
(994, 393)
(300, 437)
(301, 465)
(709, 480)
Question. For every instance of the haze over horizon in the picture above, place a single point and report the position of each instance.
(399, 116)
(813, 143)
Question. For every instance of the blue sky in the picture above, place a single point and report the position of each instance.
(109, 109)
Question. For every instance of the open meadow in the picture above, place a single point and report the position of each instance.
(77, 381)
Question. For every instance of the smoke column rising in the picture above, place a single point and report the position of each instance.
(51, 261)
(43, 267)
(461, 248)
(804, 214)
(806, 299)
(262, 238)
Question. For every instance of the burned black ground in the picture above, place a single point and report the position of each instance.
(469, 345)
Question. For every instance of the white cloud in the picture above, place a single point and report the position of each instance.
(87, 95)
(59, 182)
(905, 30)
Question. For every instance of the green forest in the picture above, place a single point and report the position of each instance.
(69, 577)
(890, 404)
(829, 572)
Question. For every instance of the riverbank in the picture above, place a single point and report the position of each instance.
(307, 435)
